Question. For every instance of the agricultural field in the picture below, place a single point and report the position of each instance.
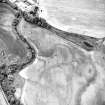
(52, 52)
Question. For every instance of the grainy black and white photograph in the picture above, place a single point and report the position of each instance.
(52, 52)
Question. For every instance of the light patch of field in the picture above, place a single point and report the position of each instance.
(82, 16)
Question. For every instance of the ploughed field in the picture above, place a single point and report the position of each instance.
(39, 66)
(82, 16)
